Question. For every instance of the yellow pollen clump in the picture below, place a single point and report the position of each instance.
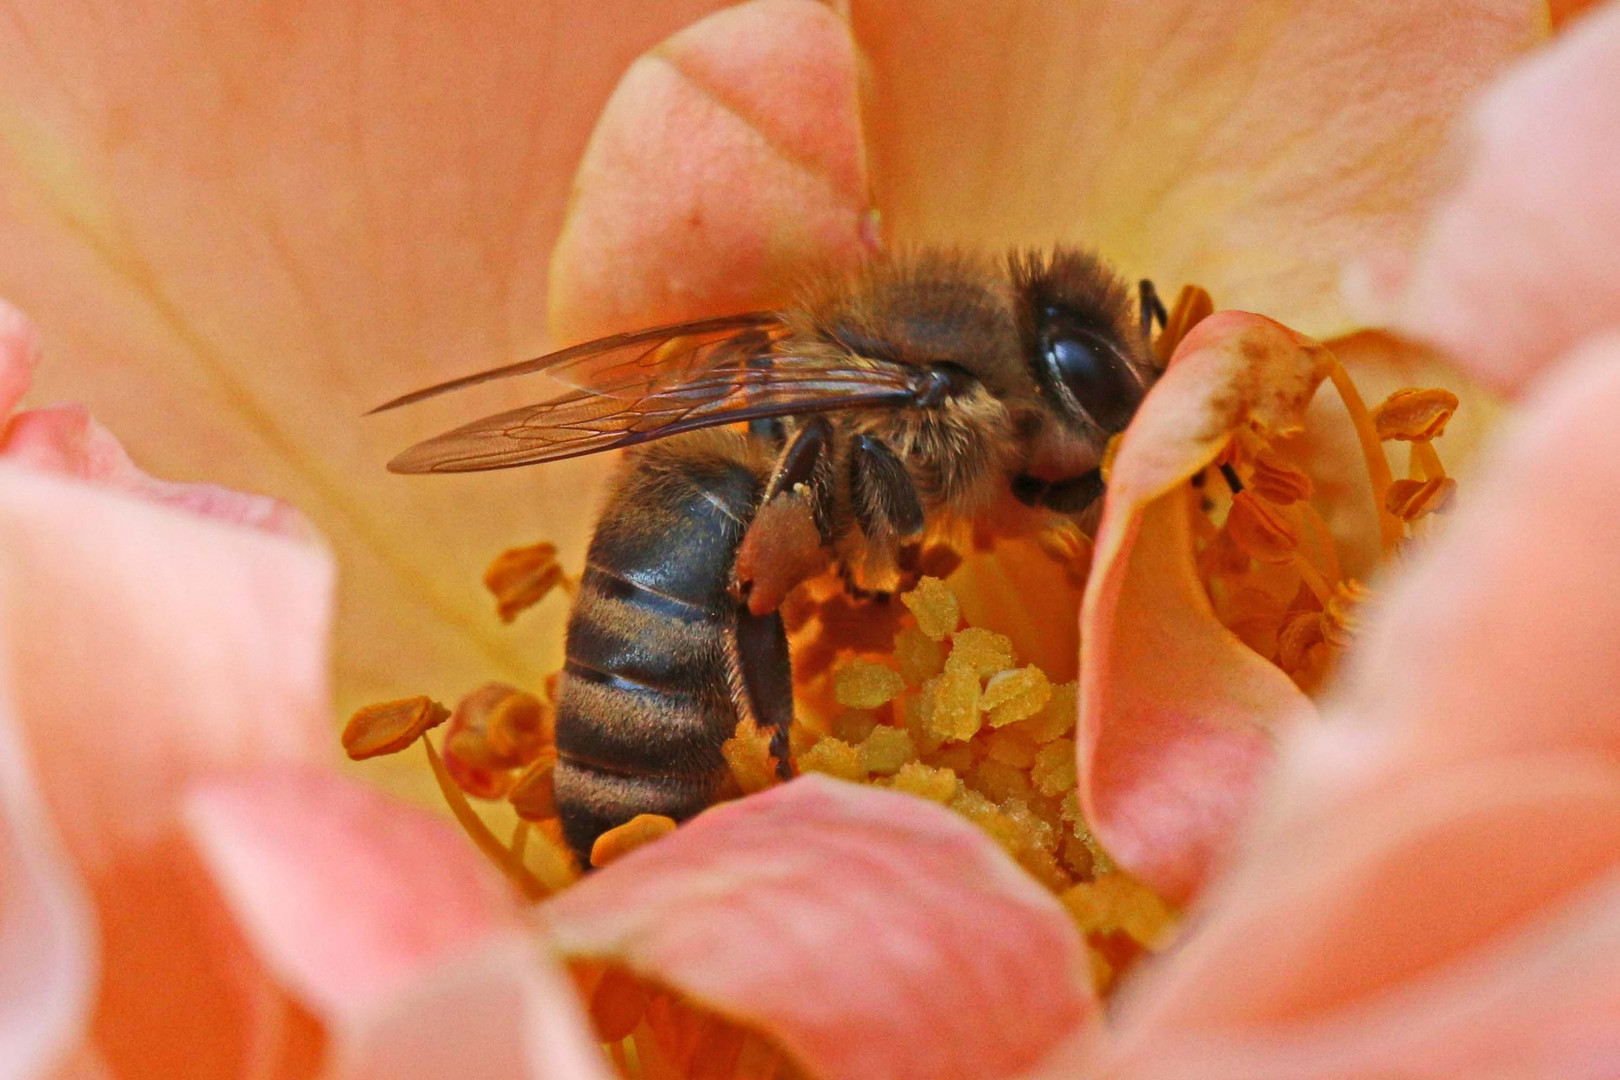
(621, 840)
(390, 726)
(954, 695)
(863, 685)
(918, 656)
(522, 577)
(1119, 902)
(1053, 770)
(928, 781)
(935, 607)
(834, 757)
(887, 750)
(1016, 695)
(748, 753)
(985, 651)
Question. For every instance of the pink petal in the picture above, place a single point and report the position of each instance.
(46, 928)
(869, 934)
(149, 648)
(1520, 263)
(500, 1012)
(66, 439)
(1434, 886)
(1503, 638)
(19, 355)
(729, 157)
(1251, 149)
(1434, 932)
(345, 894)
(239, 228)
(1176, 713)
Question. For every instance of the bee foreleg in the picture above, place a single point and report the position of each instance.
(1152, 308)
(1068, 496)
(787, 542)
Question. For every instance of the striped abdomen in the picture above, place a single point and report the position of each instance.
(661, 661)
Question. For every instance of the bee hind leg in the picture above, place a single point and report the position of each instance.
(1152, 308)
(788, 540)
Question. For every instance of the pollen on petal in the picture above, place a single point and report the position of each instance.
(390, 726)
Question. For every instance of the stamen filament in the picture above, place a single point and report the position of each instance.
(1427, 458)
(1372, 449)
(479, 833)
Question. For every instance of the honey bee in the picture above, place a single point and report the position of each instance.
(889, 402)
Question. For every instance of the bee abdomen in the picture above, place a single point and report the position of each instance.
(645, 700)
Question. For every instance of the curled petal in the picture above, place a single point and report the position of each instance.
(1519, 265)
(869, 934)
(150, 647)
(46, 928)
(499, 1012)
(345, 894)
(728, 155)
(1502, 638)
(1253, 150)
(1176, 713)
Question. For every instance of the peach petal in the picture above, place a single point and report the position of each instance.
(1431, 931)
(869, 934)
(1519, 266)
(345, 894)
(728, 157)
(1502, 638)
(1176, 713)
(499, 1012)
(19, 355)
(206, 646)
(46, 927)
(240, 228)
(1252, 150)
(67, 439)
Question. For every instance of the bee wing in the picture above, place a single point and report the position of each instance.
(585, 423)
(625, 364)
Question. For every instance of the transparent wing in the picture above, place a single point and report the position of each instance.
(738, 389)
(626, 364)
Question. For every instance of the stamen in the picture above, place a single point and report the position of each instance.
(621, 840)
(1261, 530)
(522, 577)
(1414, 415)
(1378, 472)
(391, 726)
(1410, 500)
(486, 841)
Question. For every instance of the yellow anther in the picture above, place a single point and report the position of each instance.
(391, 726)
(1411, 499)
(522, 577)
(985, 651)
(1300, 632)
(834, 757)
(1414, 415)
(621, 840)
(1261, 530)
(1015, 694)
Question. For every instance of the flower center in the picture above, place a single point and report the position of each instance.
(903, 695)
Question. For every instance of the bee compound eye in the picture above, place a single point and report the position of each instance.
(1096, 378)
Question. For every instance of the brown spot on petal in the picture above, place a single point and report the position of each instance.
(522, 577)
(1414, 415)
(1411, 499)
(623, 839)
(1261, 530)
(390, 726)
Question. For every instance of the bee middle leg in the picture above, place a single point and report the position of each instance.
(890, 514)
